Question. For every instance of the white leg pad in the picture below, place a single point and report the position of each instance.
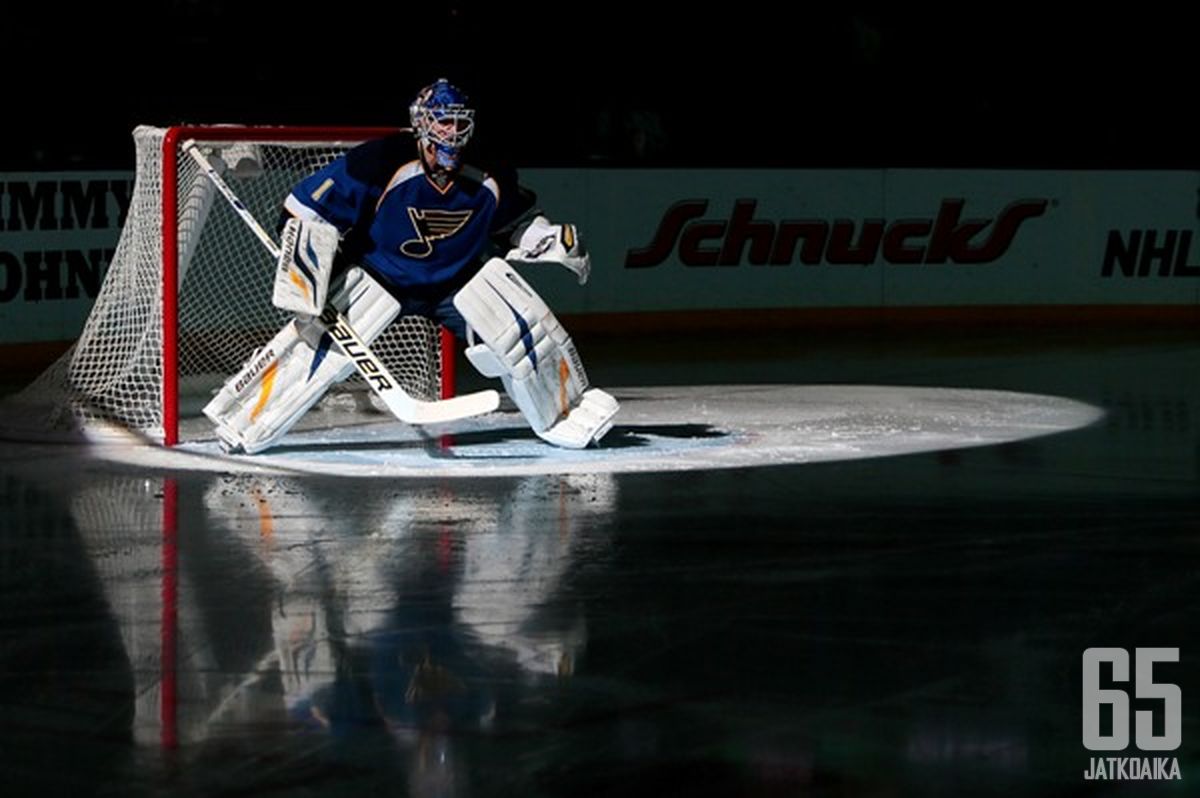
(484, 361)
(282, 380)
(536, 359)
(585, 423)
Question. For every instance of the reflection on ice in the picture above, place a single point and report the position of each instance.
(333, 606)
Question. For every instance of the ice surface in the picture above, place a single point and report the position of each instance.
(658, 429)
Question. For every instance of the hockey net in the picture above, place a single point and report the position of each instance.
(165, 332)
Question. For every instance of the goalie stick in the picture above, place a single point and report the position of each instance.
(403, 406)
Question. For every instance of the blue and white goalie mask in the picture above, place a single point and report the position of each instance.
(440, 117)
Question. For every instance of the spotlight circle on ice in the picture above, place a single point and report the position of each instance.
(659, 429)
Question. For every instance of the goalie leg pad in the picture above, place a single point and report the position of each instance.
(485, 361)
(585, 423)
(534, 356)
(283, 379)
(306, 251)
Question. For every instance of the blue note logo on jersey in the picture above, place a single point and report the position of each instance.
(431, 225)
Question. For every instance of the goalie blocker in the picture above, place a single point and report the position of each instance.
(525, 346)
(307, 248)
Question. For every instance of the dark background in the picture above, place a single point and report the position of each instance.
(744, 84)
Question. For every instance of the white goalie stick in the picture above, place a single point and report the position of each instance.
(403, 406)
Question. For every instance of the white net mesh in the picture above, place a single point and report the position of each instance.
(115, 370)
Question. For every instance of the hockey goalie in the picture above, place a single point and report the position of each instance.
(377, 234)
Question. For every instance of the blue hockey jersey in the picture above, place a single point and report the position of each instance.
(413, 234)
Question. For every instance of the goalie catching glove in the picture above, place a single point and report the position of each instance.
(543, 242)
(306, 252)
(526, 347)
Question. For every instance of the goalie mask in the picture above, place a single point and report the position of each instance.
(442, 121)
